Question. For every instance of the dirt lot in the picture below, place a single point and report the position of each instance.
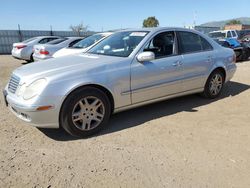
(185, 142)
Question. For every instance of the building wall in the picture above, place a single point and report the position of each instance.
(237, 27)
(8, 37)
(206, 30)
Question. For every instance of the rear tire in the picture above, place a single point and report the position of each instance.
(31, 58)
(214, 85)
(85, 112)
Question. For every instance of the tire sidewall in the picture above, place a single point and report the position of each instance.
(207, 91)
(69, 104)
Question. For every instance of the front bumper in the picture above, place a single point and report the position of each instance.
(30, 114)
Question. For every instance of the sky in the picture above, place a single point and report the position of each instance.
(102, 15)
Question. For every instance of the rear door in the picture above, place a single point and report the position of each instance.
(198, 58)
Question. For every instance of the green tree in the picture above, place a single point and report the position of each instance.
(151, 22)
(233, 22)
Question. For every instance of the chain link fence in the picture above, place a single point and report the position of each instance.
(8, 37)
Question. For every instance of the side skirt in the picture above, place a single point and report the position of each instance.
(199, 90)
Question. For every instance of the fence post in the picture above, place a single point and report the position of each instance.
(20, 34)
(51, 32)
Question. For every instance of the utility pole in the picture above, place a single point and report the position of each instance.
(51, 32)
(19, 34)
(195, 17)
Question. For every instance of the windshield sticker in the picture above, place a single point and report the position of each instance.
(138, 34)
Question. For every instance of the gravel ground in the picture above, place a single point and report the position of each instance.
(184, 142)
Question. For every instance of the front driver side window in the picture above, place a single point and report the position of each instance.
(162, 45)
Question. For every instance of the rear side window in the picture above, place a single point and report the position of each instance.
(45, 40)
(229, 35)
(57, 41)
(205, 44)
(234, 34)
(74, 42)
(191, 43)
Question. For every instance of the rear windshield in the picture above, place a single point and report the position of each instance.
(85, 43)
(57, 41)
(217, 35)
(29, 40)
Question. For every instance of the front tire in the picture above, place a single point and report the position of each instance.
(85, 112)
(214, 85)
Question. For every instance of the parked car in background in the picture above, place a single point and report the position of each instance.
(83, 45)
(128, 69)
(24, 50)
(241, 49)
(46, 51)
(243, 33)
(224, 34)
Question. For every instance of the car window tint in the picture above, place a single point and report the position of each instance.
(234, 34)
(57, 41)
(205, 44)
(229, 35)
(43, 41)
(74, 42)
(162, 44)
(189, 42)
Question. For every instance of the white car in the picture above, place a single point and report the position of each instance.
(24, 50)
(45, 51)
(83, 45)
(224, 34)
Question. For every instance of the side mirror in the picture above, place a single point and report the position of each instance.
(145, 56)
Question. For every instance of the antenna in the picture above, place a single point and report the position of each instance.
(195, 18)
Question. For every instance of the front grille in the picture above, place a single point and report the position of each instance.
(13, 84)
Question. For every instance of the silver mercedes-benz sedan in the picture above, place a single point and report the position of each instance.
(126, 70)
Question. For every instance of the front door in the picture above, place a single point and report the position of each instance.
(160, 77)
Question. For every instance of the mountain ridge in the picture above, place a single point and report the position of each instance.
(222, 23)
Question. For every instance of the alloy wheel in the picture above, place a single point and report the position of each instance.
(88, 113)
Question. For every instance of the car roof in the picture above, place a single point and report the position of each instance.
(74, 37)
(221, 31)
(155, 29)
(104, 33)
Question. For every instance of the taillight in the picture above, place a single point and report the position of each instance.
(234, 58)
(20, 46)
(44, 52)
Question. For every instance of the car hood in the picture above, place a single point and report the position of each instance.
(69, 51)
(65, 65)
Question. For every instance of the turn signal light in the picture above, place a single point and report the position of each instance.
(42, 108)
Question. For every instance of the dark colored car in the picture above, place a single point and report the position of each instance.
(241, 49)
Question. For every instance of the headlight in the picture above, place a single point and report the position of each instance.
(32, 90)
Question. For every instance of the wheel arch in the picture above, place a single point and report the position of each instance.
(97, 86)
(221, 69)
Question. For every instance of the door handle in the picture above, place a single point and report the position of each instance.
(209, 59)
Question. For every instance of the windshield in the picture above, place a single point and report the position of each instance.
(29, 40)
(85, 43)
(217, 35)
(120, 44)
(57, 41)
